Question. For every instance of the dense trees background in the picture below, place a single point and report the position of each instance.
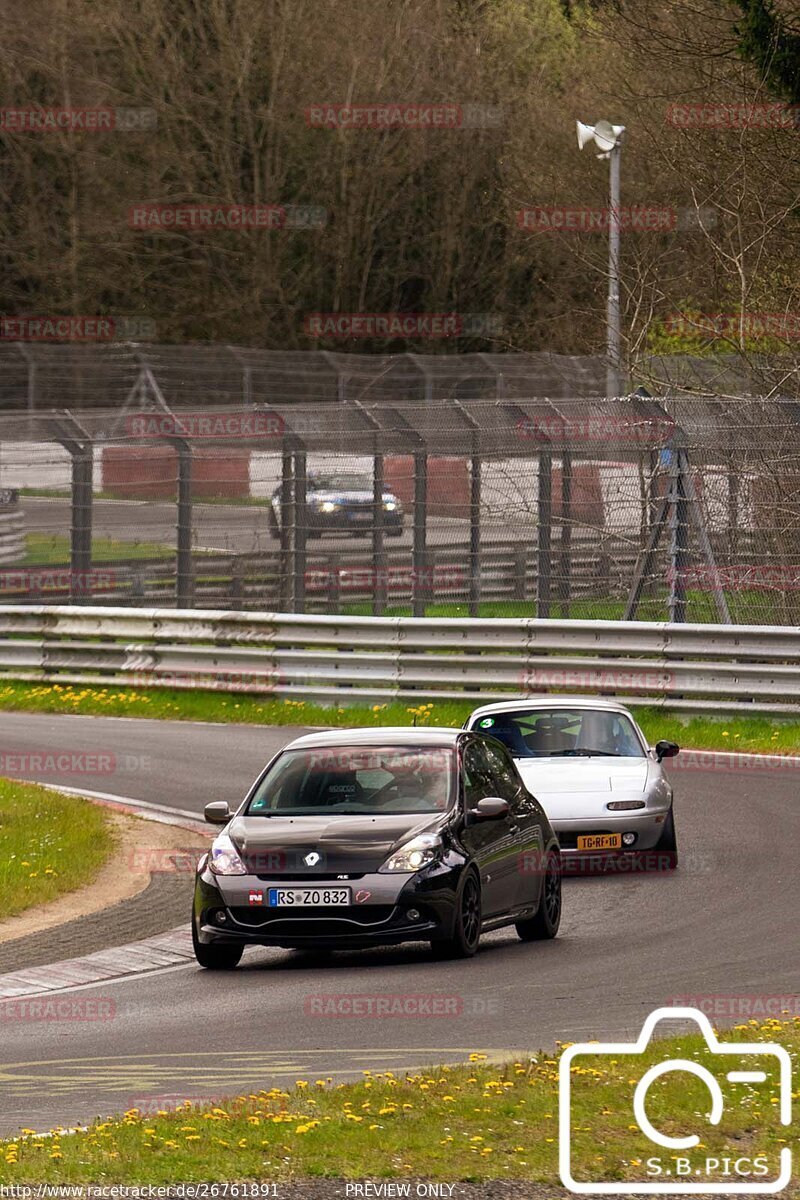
(418, 221)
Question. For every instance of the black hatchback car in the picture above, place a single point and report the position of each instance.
(376, 836)
(340, 503)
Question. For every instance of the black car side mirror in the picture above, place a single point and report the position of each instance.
(666, 750)
(490, 808)
(217, 813)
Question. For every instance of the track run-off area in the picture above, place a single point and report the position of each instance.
(723, 925)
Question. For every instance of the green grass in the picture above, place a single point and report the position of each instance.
(50, 549)
(51, 844)
(746, 608)
(472, 1122)
(778, 735)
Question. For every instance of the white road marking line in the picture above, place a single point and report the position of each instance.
(130, 801)
(104, 966)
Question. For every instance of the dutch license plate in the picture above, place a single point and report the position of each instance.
(600, 841)
(307, 897)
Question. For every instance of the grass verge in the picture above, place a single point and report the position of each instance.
(51, 845)
(775, 735)
(747, 607)
(53, 549)
(471, 1122)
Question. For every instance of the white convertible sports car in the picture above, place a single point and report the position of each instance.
(589, 765)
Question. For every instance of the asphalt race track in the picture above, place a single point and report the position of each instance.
(724, 924)
(233, 528)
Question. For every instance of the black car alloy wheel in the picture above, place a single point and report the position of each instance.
(467, 930)
(545, 923)
(552, 891)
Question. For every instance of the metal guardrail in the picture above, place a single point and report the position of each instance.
(12, 527)
(332, 578)
(349, 659)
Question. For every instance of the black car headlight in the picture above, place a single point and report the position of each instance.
(420, 852)
(224, 858)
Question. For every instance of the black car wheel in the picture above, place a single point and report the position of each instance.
(215, 956)
(467, 931)
(545, 923)
(668, 843)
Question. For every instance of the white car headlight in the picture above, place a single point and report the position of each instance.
(328, 506)
(416, 854)
(390, 505)
(224, 858)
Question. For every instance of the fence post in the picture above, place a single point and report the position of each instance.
(519, 570)
(287, 509)
(379, 581)
(419, 589)
(184, 580)
(300, 533)
(475, 467)
(679, 539)
(76, 441)
(544, 533)
(564, 583)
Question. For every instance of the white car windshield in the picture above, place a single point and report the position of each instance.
(563, 733)
(340, 483)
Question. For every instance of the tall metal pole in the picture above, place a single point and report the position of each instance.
(184, 575)
(614, 324)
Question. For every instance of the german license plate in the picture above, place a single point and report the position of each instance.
(600, 841)
(362, 516)
(307, 897)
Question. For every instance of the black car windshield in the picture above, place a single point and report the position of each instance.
(357, 780)
(563, 733)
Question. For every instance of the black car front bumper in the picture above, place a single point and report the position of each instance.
(223, 914)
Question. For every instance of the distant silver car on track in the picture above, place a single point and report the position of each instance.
(590, 767)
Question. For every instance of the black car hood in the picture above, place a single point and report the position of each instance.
(348, 845)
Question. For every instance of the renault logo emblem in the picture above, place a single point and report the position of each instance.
(311, 859)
